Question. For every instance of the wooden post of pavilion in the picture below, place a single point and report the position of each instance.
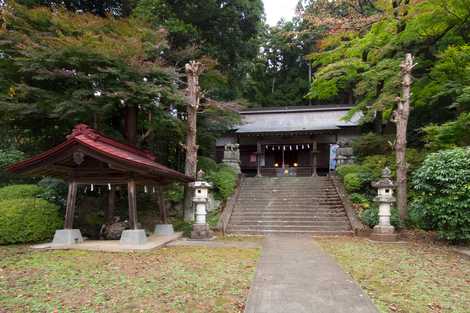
(132, 200)
(71, 203)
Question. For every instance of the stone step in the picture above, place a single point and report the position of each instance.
(275, 223)
(299, 228)
(315, 233)
(288, 218)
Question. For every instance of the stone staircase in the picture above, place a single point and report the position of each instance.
(289, 205)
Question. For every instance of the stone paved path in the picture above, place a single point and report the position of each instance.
(295, 276)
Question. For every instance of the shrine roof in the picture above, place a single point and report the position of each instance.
(86, 140)
(296, 119)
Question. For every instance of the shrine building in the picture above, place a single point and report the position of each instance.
(291, 141)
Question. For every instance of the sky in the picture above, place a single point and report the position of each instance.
(276, 9)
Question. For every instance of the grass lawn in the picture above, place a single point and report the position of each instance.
(176, 279)
(414, 277)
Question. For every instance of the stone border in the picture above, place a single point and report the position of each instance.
(358, 227)
(229, 206)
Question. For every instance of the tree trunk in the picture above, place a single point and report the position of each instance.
(160, 198)
(193, 70)
(131, 124)
(401, 119)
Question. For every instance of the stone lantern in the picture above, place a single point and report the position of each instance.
(384, 231)
(201, 230)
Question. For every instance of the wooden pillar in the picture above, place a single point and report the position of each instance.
(71, 202)
(258, 158)
(314, 158)
(132, 198)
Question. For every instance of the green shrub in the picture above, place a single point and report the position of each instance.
(55, 190)
(175, 193)
(442, 193)
(353, 182)
(20, 192)
(370, 217)
(225, 181)
(206, 164)
(358, 198)
(27, 220)
(346, 169)
(371, 144)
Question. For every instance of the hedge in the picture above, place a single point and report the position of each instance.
(28, 220)
(20, 192)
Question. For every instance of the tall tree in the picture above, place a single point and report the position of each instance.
(400, 117)
(193, 71)
(225, 31)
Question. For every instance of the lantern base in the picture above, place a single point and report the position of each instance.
(384, 233)
(201, 232)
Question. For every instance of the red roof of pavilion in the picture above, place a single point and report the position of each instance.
(85, 136)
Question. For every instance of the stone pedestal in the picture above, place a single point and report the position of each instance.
(164, 230)
(232, 157)
(67, 237)
(133, 237)
(384, 233)
(201, 232)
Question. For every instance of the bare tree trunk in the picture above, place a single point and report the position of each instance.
(193, 70)
(160, 198)
(400, 117)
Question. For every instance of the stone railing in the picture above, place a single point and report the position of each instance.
(229, 206)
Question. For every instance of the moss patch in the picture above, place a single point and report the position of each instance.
(177, 279)
(408, 278)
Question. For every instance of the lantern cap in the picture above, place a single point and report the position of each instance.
(385, 181)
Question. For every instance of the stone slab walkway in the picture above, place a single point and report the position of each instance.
(153, 242)
(295, 276)
(216, 244)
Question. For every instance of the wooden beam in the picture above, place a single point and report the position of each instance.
(71, 202)
(314, 158)
(258, 158)
(132, 198)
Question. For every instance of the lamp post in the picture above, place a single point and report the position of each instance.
(201, 230)
(384, 231)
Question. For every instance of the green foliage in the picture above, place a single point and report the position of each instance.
(61, 68)
(26, 220)
(9, 156)
(279, 75)
(346, 169)
(371, 144)
(450, 134)
(225, 181)
(353, 182)
(442, 196)
(20, 192)
(174, 193)
(206, 164)
(363, 63)
(224, 32)
(358, 198)
(370, 217)
(181, 225)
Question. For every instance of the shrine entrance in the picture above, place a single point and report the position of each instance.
(287, 160)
